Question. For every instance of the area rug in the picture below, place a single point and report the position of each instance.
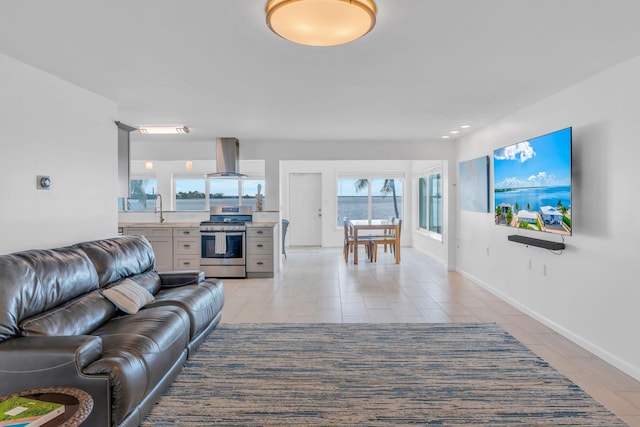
(371, 374)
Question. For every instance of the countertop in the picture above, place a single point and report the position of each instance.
(158, 224)
(187, 224)
(260, 224)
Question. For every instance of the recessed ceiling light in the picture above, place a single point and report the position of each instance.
(454, 131)
(445, 136)
(465, 126)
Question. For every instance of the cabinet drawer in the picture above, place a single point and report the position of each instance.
(260, 263)
(149, 231)
(260, 245)
(160, 231)
(186, 232)
(186, 263)
(187, 245)
(137, 231)
(259, 232)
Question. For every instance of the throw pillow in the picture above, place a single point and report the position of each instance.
(128, 296)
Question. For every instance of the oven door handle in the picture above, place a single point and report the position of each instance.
(228, 233)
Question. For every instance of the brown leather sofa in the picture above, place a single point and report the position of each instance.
(57, 328)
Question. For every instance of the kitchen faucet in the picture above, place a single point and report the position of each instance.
(155, 208)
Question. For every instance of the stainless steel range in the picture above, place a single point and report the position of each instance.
(223, 240)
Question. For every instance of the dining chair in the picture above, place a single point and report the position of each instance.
(392, 239)
(350, 243)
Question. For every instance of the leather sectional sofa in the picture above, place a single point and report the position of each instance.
(58, 327)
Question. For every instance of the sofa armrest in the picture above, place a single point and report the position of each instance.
(172, 279)
(35, 354)
(56, 361)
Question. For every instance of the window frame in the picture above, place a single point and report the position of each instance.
(191, 176)
(150, 176)
(425, 202)
(208, 186)
(370, 176)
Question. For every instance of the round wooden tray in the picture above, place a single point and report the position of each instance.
(78, 404)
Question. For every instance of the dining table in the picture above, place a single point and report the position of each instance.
(373, 227)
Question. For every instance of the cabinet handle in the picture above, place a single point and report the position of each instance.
(259, 245)
(259, 263)
(259, 232)
(186, 232)
(186, 246)
(186, 263)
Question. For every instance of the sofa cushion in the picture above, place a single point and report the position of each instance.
(78, 317)
(35, 281)
(119, 257)
(202, 302)
(137, 352)
(128, 296)
(149, 280)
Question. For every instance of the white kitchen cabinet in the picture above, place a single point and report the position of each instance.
(161, 239)
(260, 252)
(186, 248)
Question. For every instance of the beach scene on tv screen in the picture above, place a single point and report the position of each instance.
(532, 183)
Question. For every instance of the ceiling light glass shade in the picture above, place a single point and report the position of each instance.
(148, 165)
(161, 130)
(321, 22)
(188, 165)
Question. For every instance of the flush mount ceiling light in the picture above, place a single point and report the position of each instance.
(321, 22)
(162, 130)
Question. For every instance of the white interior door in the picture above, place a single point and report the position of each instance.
(305, 209)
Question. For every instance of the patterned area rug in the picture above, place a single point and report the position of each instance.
(371, 374)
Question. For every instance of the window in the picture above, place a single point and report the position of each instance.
(430, 203)
(435, 203)
(191, 194)
(250, 189)
(225, 191)
(422, 202)
(369, 198)
(143, 195)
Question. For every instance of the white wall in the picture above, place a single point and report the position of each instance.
(590, 292)
(51, 127)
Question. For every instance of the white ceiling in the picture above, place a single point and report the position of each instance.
(427, 67)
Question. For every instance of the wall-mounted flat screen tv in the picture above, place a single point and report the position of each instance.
(532, 183)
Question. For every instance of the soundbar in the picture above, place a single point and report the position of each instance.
(530, 241)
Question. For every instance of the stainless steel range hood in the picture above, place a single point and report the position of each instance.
(227, 158)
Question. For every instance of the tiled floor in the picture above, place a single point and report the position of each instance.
(317, 286)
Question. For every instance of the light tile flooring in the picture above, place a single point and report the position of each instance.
(317, 286)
